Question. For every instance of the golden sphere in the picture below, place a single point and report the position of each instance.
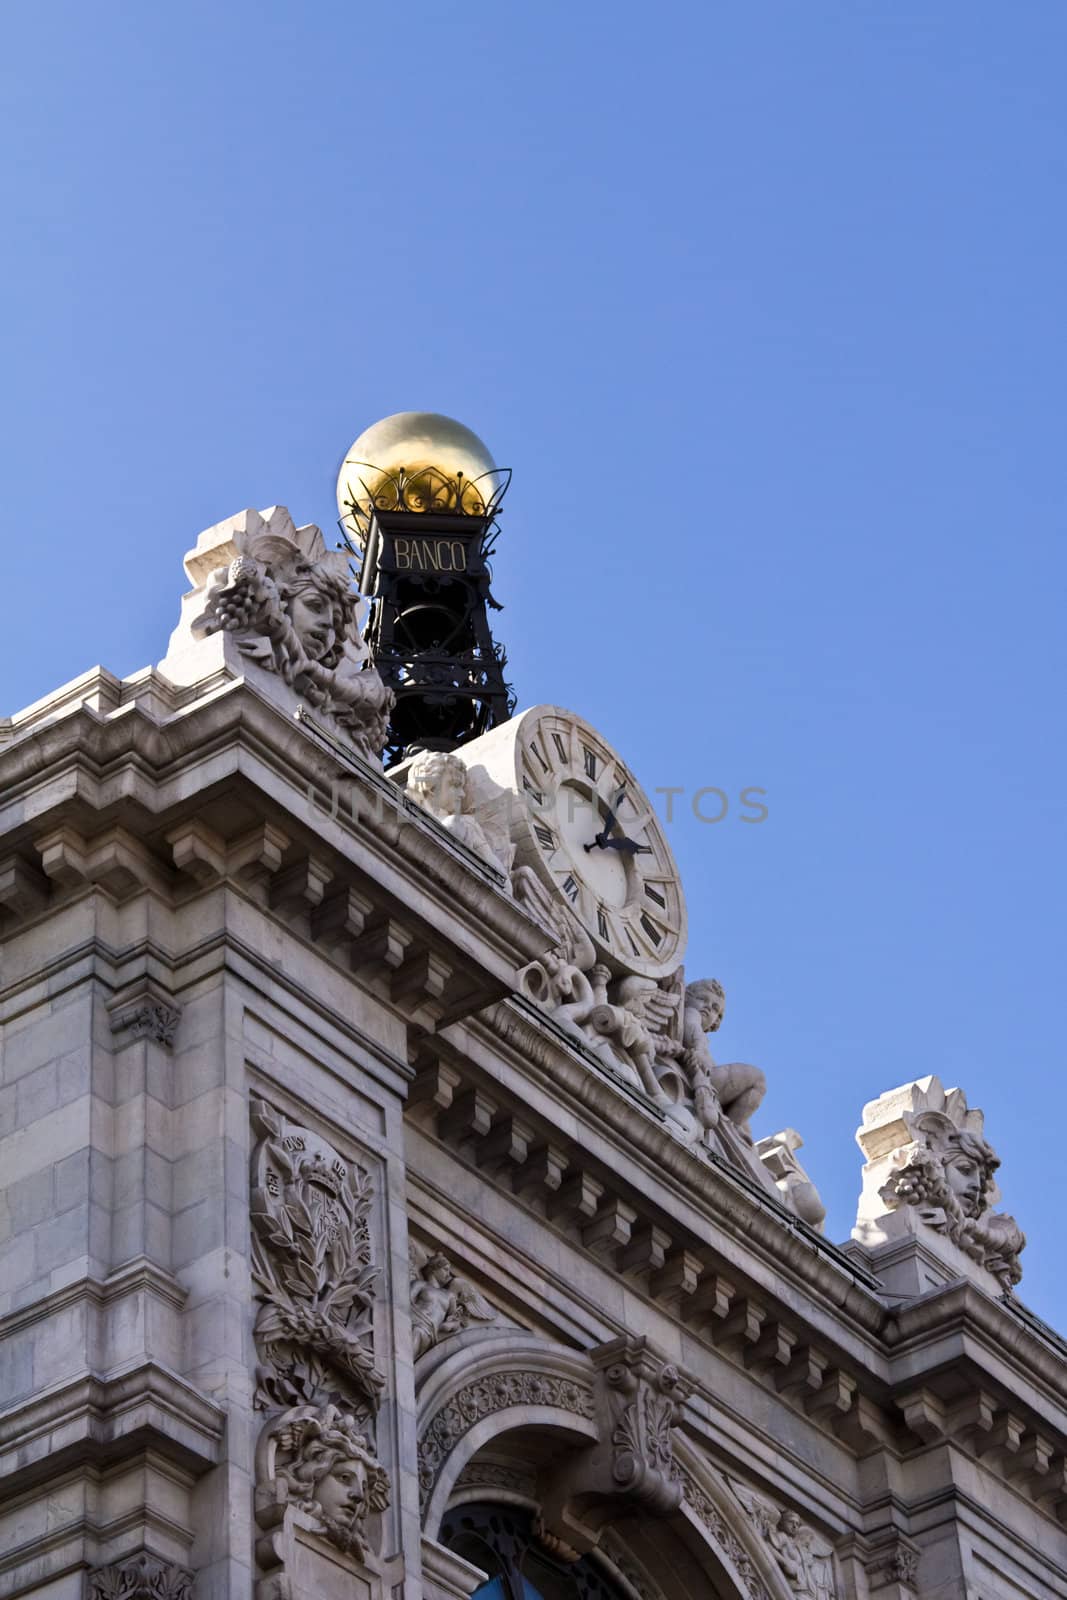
(432, 458)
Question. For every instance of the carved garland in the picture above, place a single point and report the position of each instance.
(615, 1552)
(312, 1268)
(708, 1514)
(483, 1398)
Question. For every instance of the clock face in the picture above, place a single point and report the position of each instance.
(589, 832)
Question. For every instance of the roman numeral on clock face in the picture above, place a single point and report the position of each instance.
(531, 790)
(654, 933)
(570, 888)
(590, 763)
(561, 748)
(545, 837)
(654, 894)
(602, 922)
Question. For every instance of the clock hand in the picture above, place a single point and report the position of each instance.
(630, 846)
(603, 839)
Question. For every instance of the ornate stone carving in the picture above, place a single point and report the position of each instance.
(928, 1159)
(291, 608)
(442, 1303)
(497, 1476)
(149, 1019)
(631, 1467)
(640, 1582)
(807, 1565)
(901, 1566)
(140, 1577)
(482, 1398)
(630, 1024)
(735, 1089)
(719, 1531)
(778, 1154)
(312, 1268)
(318, 1460)
(654, 1035)
(438, 782)
(643, 1397)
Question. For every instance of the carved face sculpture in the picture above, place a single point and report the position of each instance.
(966, 1179)
(711, 1015)
(311, 614)
(711, 1000)
(440, 782)
(789, 1523)
(438, 1270)
(341, 1493)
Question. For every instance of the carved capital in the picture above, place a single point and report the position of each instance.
(902, 1566)
(140, 1577)
(147, 1017)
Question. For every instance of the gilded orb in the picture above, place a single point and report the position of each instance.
(418, 461)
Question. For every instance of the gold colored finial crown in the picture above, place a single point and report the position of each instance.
(417, 461)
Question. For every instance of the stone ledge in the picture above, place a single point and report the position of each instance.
(103, 1420)
(132, 1278)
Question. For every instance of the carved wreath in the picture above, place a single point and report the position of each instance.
(312, 1269)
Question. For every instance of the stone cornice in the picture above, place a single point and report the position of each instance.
(505, 1089)
(953, 1324)
(712, 1197)
(84, 769)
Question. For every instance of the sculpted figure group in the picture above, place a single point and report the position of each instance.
(655, 1034)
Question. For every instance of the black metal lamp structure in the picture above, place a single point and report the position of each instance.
(423, 535)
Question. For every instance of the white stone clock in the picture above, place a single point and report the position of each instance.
(580, 821)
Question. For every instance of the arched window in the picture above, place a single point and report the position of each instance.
(501, 1540)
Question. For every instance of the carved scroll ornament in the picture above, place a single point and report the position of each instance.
(631, 1468)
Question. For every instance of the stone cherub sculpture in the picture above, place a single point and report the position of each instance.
(807, 1567)
(736, 1088)
(438, 782)
(654, 1034)
(928, 1159)
(330, 1472)
(291, 608)
(442, 1302)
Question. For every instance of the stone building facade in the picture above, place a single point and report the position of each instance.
(366, 1231)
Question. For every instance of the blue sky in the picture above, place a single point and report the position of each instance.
(762, 303)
